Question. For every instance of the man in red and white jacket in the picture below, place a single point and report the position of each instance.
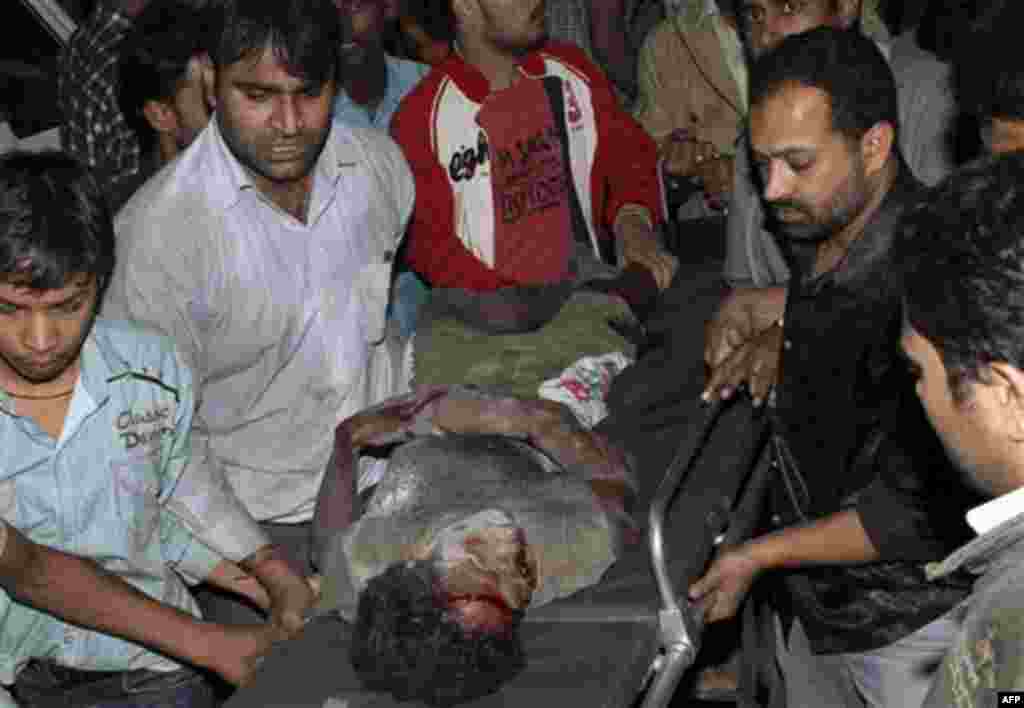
(519, 148)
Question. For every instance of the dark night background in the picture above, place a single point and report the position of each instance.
(28, 60)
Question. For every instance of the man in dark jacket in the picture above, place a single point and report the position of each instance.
(858, 623)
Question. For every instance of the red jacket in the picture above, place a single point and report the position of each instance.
(451, 239)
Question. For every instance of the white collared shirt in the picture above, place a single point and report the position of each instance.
(279, 319)
(992, 513)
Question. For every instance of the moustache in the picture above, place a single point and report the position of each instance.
(789, 206)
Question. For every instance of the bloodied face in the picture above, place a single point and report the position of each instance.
(488, 574)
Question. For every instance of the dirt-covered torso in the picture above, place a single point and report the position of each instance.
(433, 482)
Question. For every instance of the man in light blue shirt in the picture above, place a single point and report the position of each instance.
(372, 83)
(98, 462)
(400, 76)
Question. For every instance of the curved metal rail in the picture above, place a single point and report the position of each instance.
(680, 627)
(727, 519)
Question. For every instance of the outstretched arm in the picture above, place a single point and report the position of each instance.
(82, 593)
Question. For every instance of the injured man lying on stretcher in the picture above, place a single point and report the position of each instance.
(488, 506)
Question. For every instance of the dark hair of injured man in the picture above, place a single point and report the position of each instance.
(409, 640)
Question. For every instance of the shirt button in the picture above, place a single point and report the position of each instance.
(787, 344)
(776, 520)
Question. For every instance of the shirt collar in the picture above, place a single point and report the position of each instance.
(339, 152)
(235, 177)
(475, 85)
(997, 511)
(875, 240)
(403, 75)
(999, 527)
(885, 47)
(93, 372)
(100, 364)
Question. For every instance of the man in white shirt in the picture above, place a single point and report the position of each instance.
(962, 259)
(265, 251)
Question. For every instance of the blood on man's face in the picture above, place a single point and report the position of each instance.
(489, 578)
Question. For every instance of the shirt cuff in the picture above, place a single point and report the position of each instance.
(198, 561)
(237, 539)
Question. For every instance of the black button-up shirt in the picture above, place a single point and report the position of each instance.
(855, 436)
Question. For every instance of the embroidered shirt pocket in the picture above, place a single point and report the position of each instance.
(135, 494)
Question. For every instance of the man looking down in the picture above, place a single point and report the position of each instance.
(265, 251)
(854, 511)
(99, 464)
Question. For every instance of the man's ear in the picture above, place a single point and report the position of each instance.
(464, 11)
(1008, 381)
(877, 145)
(160, 116)
(209, 78)
(848, 12)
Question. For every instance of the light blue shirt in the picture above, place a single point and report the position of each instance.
(402, 75)
(106, 490)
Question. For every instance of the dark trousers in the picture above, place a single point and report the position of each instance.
(44, 684)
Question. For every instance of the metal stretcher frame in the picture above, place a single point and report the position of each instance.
(624, 642)
(680, 623)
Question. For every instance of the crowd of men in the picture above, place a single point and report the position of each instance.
(205, 294)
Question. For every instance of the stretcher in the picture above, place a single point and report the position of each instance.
(626, 641)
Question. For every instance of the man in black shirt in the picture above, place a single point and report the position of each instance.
(860, 473)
